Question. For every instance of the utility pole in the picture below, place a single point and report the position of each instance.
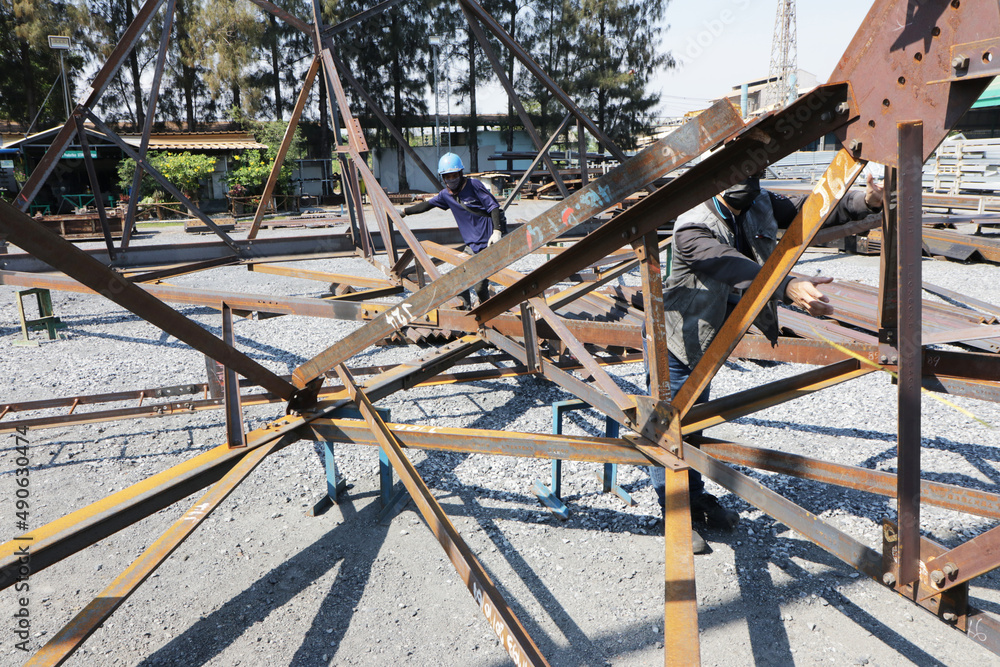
(435, 43)
(782, 88)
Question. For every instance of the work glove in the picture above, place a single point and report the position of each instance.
(402, 212)
(494, 237)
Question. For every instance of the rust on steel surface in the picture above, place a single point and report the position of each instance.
(755, 147)
(912, 45)
(62, 254)
(73, 634)
(685, 143)
(513, 637)
(825, 195)
(909, 324)
(680, 614)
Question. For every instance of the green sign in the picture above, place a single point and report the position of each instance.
(68, 155)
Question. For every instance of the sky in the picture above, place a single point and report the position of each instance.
(721, 43)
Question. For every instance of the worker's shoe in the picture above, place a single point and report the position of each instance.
(705, 508)
(698, 543)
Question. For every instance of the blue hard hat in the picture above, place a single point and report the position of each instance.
(450, 162)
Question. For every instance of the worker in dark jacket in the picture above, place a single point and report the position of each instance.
(718, 249)
(477, 212)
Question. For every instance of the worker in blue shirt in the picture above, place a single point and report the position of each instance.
(478, 214)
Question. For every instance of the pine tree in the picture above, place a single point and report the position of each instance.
(28, 65)
(620, 40)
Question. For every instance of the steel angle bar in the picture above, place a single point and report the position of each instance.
(688, 141)
(101, 80)
(65, 642)
(908, 280)
(587, 449)
(830, 189)
(948, 496)
(161, 58)
(567, 381)
(355, 147)
(534, 163)
(332, 30)
(321, 276)
(799, 350)
(963, 299)
(162, 180)
(514, 48)
(655, 348)
(840, 544)
(596, 371)
(286, 142)
(515, 100)
(960, 564)
(160, 274)
(95, 186)
(290, 19)
(377, 110)
(88, 525)
(768, 140)
(502, 620)
(681, 645)
(63, 255)
(235, 432)
(733, 406)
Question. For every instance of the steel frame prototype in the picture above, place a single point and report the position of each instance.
(893, 97)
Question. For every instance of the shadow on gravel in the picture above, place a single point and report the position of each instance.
(767, 627)
(203, 641)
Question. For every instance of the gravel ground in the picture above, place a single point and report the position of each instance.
(263, 583)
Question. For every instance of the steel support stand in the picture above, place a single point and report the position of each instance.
(45, 320)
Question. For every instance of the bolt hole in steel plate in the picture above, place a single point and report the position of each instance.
(988, 57)
(915, 41)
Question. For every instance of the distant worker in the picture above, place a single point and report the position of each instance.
(718, 249)
(480, 219)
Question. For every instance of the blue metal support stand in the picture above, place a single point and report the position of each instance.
(335, 484)
(551, 494)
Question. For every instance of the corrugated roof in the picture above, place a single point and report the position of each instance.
(990, 96)
(202, 141)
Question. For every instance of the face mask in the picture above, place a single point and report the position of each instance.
(741, 195)
(452, 183)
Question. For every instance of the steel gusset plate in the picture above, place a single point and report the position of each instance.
(900, 68)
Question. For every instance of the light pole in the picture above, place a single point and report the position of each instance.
(61, 43)
(435, 42)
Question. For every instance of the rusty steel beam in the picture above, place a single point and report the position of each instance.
(830, 539)
(733, 406)
(154, 91)
(286, 142)
(67, 640)
(679, 147)
(766, 141)
(62, 254)
(681, 645)
(948, 496)
(908, 281)
(513, 637)
(235, 431)
(97, 87)
(827, 193)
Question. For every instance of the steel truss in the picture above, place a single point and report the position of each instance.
(932, 69)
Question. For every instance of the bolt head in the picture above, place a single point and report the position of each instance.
(843, 108)
(854, 146)
(889, 579)
(960, 62)
(937, 577)
(882, 359)
(826, 116)
(950, 616)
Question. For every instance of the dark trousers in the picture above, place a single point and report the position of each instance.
(482, 287)
(679, 373)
